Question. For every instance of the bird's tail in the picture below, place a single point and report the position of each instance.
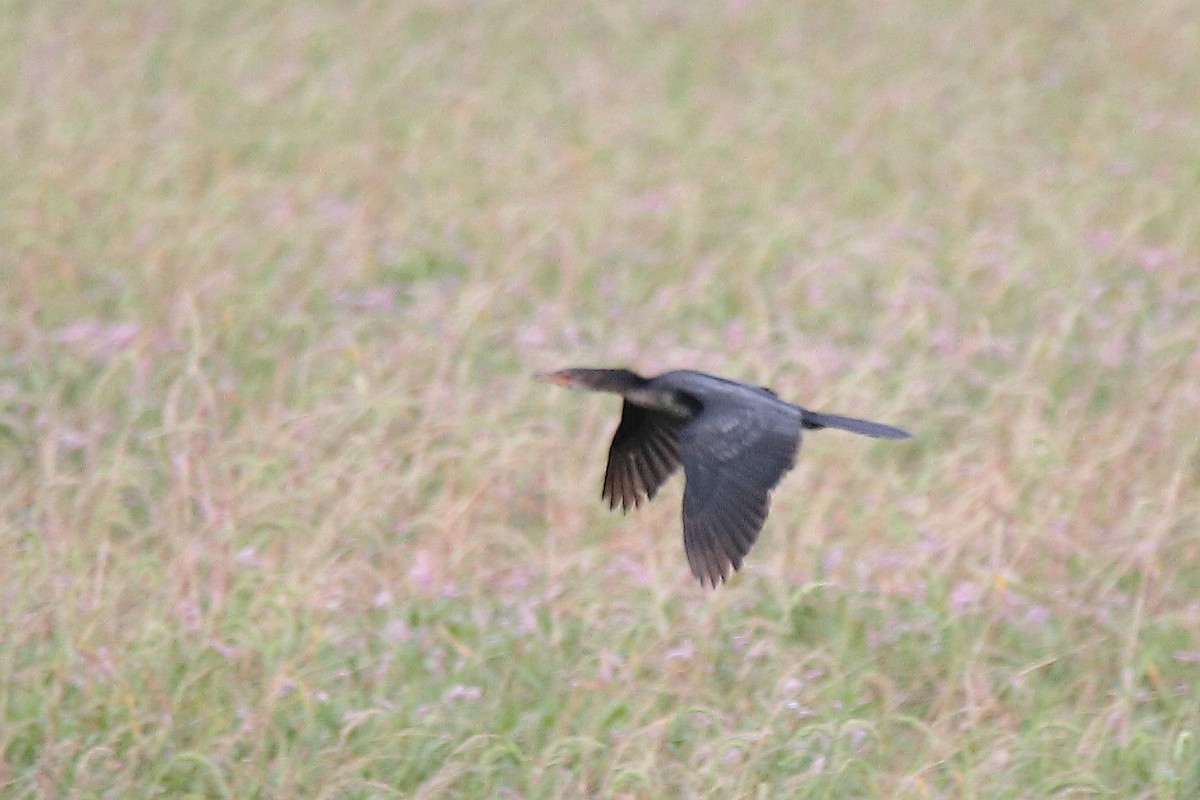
(815, 419)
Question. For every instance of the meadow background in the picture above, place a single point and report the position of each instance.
(283, 516)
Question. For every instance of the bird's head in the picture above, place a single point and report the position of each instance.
(595, 380)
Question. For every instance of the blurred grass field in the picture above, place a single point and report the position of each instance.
(283, 515)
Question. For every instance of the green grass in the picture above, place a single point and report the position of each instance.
(283, 515)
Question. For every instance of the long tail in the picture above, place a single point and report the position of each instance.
(815, 419)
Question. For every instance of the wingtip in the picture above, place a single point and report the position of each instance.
(711, 580)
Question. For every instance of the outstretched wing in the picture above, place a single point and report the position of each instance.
(732, 457)
(644, 453)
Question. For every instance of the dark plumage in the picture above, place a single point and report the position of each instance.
(734, 441)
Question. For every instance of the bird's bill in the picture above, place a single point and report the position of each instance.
(559, 378)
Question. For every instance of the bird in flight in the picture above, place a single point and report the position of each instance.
(735, 441)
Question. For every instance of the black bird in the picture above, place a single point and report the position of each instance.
(735, 442)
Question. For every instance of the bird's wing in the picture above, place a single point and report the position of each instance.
(644, 453)
(732, 458)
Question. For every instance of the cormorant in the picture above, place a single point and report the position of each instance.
(735, 442)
